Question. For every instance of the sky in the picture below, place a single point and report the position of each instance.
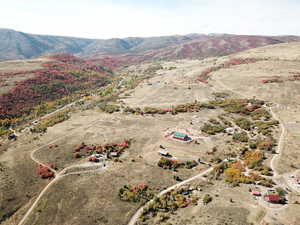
(141, 18)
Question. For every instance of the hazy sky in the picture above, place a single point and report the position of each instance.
(123, 18)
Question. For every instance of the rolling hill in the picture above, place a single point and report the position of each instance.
(19, 45)
(118, 52)
(202, 47)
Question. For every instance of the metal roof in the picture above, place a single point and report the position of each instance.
(179, 135)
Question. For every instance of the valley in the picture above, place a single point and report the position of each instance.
(189, 141)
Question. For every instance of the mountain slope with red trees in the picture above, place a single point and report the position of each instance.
(202, 47)
(64, 75)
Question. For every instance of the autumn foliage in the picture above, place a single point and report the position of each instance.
(280, 79)
(63, 76)
(45, 172)
(204, 76)
(109, 148)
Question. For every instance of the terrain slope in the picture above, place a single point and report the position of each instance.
(190, 96)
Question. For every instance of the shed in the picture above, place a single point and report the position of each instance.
(256, 193)
(114, 154)
(164, 153)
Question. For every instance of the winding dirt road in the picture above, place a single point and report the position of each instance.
(138, 213)
(280, 142)
(280, 147)
(57, 175)
(136, 216)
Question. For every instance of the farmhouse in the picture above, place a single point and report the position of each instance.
(181, 136)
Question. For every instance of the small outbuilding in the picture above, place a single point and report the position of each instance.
(164, 153)
(114, 154)
(273, 198)
(93, 159)
(256, 193)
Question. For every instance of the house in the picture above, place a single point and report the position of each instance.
(181, 136)
(273, 198)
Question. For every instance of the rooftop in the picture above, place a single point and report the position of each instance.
(180, 135)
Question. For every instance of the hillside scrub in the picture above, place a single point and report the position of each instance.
(220, 94)
(207, 199)
(58, 118)
(212, 129)
(240, 137)
(108, 108)
(261, 113)
(111, 150)
(266, 144)
(173, 164)
(166, 163)
(265, 128)
(169, 202)
(243, 123)
(61, 78)
(140, 193)
(238, 106)
(204, 76)
(235, 176)
(253, 159)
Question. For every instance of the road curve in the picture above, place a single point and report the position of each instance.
(138, 213)
(57, 175)
(279, 148)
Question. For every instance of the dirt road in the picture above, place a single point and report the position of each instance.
(272, 211)
(57, 175)
(136, 216)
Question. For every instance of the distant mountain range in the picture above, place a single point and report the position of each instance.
(116, 51)
(19, 45)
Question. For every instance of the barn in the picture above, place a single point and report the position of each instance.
(181, 136)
